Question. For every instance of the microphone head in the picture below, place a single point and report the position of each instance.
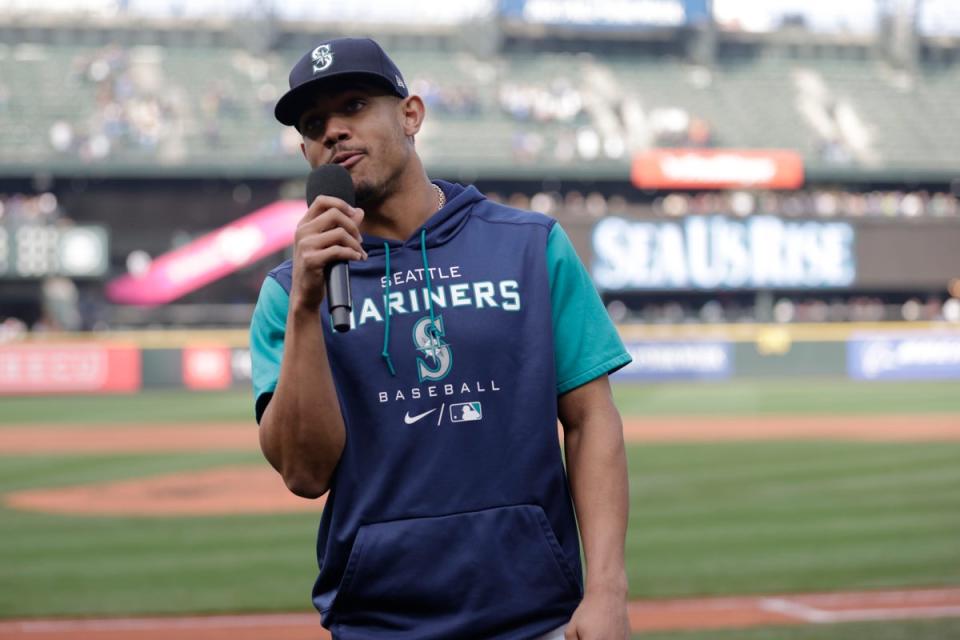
(330, 180)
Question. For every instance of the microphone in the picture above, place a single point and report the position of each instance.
(334, 180)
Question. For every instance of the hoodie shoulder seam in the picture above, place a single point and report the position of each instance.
(286, 265)
(282, 274)
(529, 217)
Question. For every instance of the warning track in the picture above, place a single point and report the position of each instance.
(159, 438)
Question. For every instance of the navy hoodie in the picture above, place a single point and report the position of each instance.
(449, 514)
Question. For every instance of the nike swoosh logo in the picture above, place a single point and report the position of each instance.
(408, 419)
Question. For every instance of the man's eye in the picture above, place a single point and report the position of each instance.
(355, 105)
(311, 126)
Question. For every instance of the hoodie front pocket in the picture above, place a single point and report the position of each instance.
(493, 568)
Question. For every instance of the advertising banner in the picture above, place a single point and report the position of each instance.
(69, 368)
(211, 256)
(904, 356)
(242, 367)
(207, 368)
(705, 253)
(672, 360)
(717, 169)
(606, 13)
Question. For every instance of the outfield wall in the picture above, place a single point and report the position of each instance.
(216, 360)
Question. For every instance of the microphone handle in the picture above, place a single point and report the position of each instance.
(338, 295)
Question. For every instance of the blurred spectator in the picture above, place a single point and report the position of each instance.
(526, 146)
(559, 101)
(12, 329)
(446, 101)
(61, 136)
(548, 203)
(699, 133)
(786, 310)
(823, 203)
(951, 310)
(595, 205)
(519, 201)
(129, 115)
(60, 304)
(675, 127)
(40, 209)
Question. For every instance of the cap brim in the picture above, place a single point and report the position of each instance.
(295, 101)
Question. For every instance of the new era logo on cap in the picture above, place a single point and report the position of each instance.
(338, 58)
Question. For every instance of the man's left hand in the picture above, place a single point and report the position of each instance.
(601, 616)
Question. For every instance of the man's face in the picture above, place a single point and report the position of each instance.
(361, 128)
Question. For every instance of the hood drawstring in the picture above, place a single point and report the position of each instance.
(386, 324)
(386, 298)
(426, 270)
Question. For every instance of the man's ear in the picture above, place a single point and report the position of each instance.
(412, 112)
(303, 150)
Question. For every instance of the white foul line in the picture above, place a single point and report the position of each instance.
(794, 609)
(813, 615)
(855, 615)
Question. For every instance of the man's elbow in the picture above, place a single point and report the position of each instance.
(306, 485)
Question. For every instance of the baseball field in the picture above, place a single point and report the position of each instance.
(778, 509)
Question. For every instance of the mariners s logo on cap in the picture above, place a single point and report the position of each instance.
(322, 58)
(361, 58)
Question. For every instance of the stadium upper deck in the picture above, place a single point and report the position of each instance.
(100, 100)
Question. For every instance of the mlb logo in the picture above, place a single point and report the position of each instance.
(466, 412)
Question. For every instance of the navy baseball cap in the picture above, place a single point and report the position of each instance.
(337, 58)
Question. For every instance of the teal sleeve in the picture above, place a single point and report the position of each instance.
(267, 328)
(586, 345)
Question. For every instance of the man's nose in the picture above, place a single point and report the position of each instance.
(337, 131)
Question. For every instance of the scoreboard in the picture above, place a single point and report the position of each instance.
(38, 251)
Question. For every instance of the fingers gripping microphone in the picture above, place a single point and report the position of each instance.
(334, 180)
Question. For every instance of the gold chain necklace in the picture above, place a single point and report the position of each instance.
(441, 197)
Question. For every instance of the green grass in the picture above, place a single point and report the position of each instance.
(724, 518)
(705, 519)
(62, 565)
(753, 397)
(788, 396)
(792, 516)
(887, 630)
(140, 408)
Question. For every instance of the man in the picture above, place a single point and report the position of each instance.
(431, 424)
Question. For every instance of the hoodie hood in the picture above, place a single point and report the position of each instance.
(440, 228)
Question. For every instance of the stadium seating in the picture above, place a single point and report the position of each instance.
(192, 106)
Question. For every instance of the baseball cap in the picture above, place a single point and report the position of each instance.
(337, 58)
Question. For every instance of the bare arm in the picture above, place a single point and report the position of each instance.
(301, 431)
(597, 468)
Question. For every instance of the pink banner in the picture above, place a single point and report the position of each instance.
(212, 256)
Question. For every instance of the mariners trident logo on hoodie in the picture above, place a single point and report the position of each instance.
(428, 336)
